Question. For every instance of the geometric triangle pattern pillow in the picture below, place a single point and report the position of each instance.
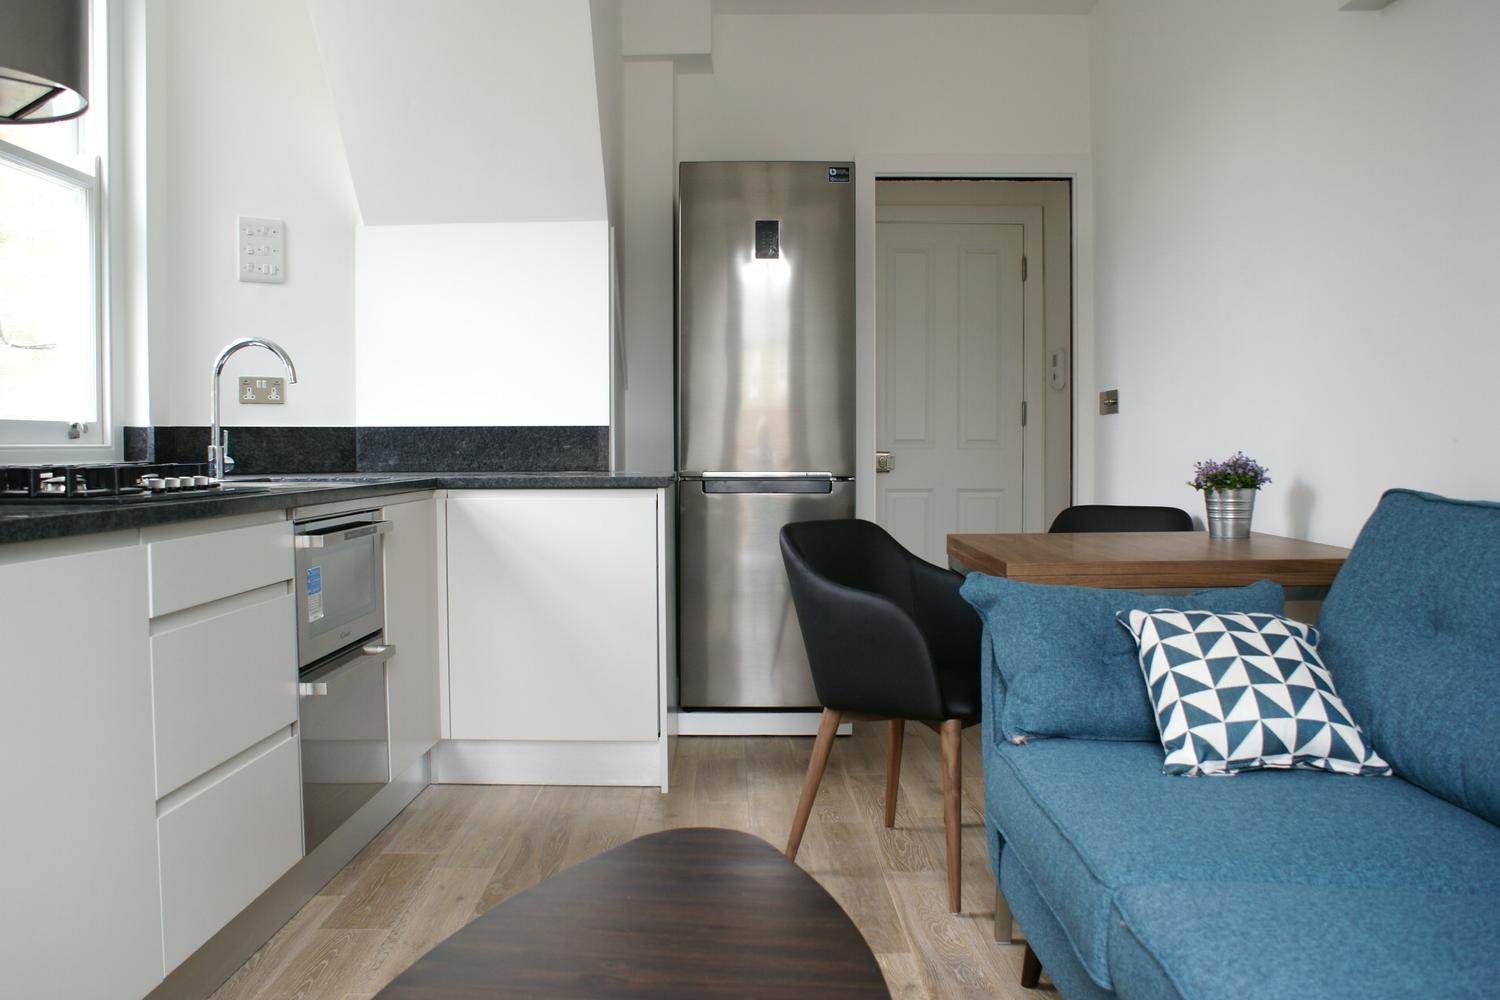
(1240, 692)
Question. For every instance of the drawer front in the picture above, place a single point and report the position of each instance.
(227, 844)
(221, 685)
(202, 568)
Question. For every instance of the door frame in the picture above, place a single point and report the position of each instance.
(869, 169)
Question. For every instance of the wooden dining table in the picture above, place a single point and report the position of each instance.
(1152, 560)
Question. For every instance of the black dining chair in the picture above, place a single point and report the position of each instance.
(889, 639)
(1111, 517)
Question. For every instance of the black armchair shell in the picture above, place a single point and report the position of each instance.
(888, 638)
(1113, 517)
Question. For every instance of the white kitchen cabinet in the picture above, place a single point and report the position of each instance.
(81, 916)
(411, 560)
(225, 839)
(204, 565)
(222, 681)
(553, 615)
(224, 675)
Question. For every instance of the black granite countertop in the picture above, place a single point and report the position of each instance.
(25, 521)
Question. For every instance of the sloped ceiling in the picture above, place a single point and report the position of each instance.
(457, 111)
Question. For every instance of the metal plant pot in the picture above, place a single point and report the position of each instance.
(1228, 512)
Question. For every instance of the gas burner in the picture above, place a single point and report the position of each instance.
(124, 482)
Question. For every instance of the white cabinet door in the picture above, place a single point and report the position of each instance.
(220, 685)
(226, 842)
(81, 916)
(411, 625)
(552, 615)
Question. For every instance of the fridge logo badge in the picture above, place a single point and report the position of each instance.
(838, 175)
(767, 239)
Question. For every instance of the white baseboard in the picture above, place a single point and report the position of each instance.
(751, 724)
(549, 762)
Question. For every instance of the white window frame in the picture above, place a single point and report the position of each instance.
(37, 441)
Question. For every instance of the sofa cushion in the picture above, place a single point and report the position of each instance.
(1243, 692)
(1411, 629)
(1066, 667)
(1088, 818)
(1245, 941)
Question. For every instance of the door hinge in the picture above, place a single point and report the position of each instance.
(1024, 268)
(1023, 413)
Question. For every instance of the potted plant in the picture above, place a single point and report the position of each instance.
(1229, 489)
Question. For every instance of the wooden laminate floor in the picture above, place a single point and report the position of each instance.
(460, 849)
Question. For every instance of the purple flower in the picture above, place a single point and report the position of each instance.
(1238, 472)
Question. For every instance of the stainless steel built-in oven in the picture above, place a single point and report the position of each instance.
(343, 716)
(340, 582)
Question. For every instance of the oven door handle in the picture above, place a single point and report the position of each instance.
(316, 683)
(343, 533)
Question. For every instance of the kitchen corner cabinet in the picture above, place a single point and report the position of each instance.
(411, 561)
(82, 906)
(552, 615)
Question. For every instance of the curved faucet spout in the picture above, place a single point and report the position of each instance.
(219, 462)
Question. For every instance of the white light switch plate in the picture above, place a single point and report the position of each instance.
(262, 249)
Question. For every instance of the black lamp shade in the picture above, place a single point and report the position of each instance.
(44, 60)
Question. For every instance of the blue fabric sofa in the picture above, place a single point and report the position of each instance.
(1131, 883)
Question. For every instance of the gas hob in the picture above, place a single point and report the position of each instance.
(109, 483)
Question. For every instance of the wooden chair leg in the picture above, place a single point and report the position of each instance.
(1031, 969)
(828, 728)
(951, 738)
(893, 769)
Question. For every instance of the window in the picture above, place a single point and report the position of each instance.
(53, 345)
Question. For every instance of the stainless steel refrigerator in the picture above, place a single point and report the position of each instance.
(765, 413)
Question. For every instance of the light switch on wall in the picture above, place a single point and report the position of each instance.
(262, 249)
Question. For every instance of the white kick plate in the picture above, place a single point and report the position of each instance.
(752, 724)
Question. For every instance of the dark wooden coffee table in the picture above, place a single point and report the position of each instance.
(687, 913)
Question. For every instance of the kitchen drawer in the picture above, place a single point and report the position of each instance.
(226, 844)
(203, 568)
(220, 685)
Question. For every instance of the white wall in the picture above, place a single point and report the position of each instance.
(1297, 231)
(466, 110)
(951, 89)
(242, 124)
(834, 86)
(501, 323)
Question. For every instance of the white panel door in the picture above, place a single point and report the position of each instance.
(950, 327)
(81, 916)
(552, 615)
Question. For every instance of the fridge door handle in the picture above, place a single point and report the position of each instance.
(766, 475)
(770, 485)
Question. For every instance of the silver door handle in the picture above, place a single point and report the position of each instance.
(884, 461)
(321, 539)
(319, 687)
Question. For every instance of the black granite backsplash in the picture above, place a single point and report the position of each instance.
(271, 450)
(483, 449)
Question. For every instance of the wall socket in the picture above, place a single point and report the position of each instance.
(262, 390)
(1109, 402)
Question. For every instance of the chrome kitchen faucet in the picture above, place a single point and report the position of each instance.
(219, 462)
